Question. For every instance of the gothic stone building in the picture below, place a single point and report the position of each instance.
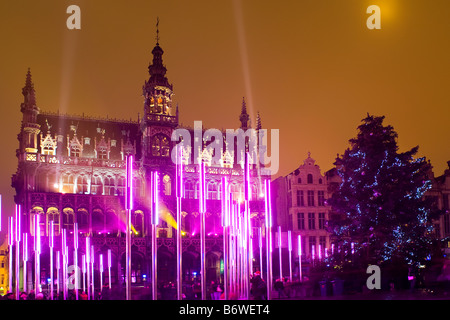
(72, 169)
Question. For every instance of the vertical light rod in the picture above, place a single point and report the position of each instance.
(268, 220)
(17, 239)
(179, 194)
(154, 186)
(75, 258)
(51, 245)
(129, 207)
(202, 210)
(289, 234)
(25, 259)
(37, 251)
(109, 268)
(300, 258)
(10, 247)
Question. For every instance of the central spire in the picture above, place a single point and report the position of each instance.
(156, 69)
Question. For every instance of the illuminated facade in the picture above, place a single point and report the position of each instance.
(72, 169)
(301, 206)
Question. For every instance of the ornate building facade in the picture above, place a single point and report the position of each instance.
(71, 169)
(300, 202)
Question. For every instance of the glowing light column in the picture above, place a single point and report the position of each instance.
(87, 265)
(37, 253)
(155, 220)
(290, 254)
(109, 268)
(25, 259)
(225, 197)
(179, 194)
(75, 257)
(17, 239)
(280, 253)
(64, 263)
(129, 207)
(10, 245)
(300, 258)
(268, 211)
(202, 206)
(51, 245)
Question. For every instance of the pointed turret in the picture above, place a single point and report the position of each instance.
(258, 122)
(29, 102)
(30, 128)
(244, 116)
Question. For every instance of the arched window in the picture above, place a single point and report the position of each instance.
(167, 185)
(235, 191)
(109, 186)
(189, 190)
(67, 183)
(82, 184)
(75, 151)
(160, 146)
(83, 220)
(96, 185)
(121, 185)
(68, 218)
(310, 178)
(211, 190)
(137, 220)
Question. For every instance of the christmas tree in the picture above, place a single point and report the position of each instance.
(384, 216)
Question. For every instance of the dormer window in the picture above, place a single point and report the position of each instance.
(87, 141)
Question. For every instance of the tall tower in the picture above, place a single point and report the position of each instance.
(160, 118)
(30, 128)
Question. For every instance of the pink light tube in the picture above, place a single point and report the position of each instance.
(17, 222)
(320, 252)
(179, 171)
(289, 241)
(75, 235)
(51, 242)
(37, 234)
(202, 187)
(225, 202)
(129, 183)
(0, 212)
(247, 189)
(155, 197)
(11, 231)
(267, 202)
(299, 245)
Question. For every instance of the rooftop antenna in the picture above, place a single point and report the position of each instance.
(157, 30)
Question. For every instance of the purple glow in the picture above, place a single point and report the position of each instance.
(267, 202)
(279, 236)
(299, 245)
(11, 231)
(17, 222)
(179, 172)
(202, 187)
(313, 252)
(51, 242)
(83, 263)
(155, 197)
(101, 262)
(320, 252)
(129, 183)
(75, 235)
(37, 234)
(0, 212)
(25, 247)
(225, 202)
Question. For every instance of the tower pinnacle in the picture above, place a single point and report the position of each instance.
(244, 115)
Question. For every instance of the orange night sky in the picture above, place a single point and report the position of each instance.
(311, 68)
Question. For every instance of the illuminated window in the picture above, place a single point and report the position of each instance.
(160, 146)
(211, 189)
(82, 184)
(167, 185)
(75, 151)
(109, 186)
(96, 185)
